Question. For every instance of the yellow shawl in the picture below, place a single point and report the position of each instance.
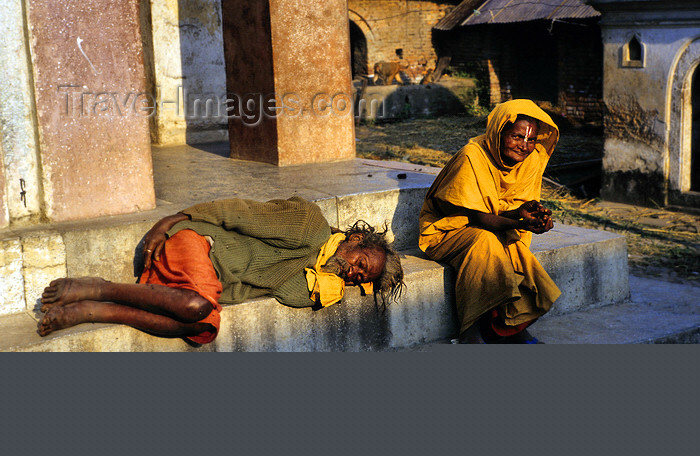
(476, 178)
(326, 288)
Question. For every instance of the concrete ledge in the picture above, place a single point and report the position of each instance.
(588, 266)
(387, 102)
(105, 247)
(425, 313)
(110, 247)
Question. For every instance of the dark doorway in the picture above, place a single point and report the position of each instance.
(695, 133)
(533, 56)
(358, 51)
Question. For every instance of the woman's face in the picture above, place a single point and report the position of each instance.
(518, 142)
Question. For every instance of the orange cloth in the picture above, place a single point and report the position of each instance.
(184, 263)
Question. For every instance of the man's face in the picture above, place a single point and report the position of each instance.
(360, 265)
(518, 142)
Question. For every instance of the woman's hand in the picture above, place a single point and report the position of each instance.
(535, 217)
(155, 238)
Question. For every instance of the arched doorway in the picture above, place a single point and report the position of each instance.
(358, 51)
(684, 140)
(695, 131)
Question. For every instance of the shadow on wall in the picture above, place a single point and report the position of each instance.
(145, 19)
(203, 69)
(184, 62)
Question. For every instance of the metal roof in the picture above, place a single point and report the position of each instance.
(458, 14)
(508, 11)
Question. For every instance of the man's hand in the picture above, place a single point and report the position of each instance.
(155, 238)
(535, 217)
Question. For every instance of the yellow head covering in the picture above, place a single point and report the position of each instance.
(547, 136)
(476, 177)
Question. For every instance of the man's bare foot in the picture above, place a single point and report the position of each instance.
(64, 316)
(64, 291)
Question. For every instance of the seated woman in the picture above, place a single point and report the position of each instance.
(479, 216)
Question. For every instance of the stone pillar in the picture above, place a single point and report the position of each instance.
(494, 83)
(288, 80)
(188, 70)
(92, 108)
(21, 195)
(4, 213)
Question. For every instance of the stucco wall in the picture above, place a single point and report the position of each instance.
(4, 213)
(639, 123)
(648, 123)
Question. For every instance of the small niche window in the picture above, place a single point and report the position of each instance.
(633, 53)
(399, 53)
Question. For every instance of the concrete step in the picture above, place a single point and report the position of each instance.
(109, 247)
(658, 312)
(425, 313)
(589, 266)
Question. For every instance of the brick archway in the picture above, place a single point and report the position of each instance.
(363, 27)
(358, 51)
(362, 23)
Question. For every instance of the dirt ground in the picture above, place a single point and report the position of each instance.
(661, 243)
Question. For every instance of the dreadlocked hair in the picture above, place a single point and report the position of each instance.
(390, 285)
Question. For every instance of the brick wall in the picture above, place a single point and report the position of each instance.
(581, 72)
(559, 63)
(389, 25)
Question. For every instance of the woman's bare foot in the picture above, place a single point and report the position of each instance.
(64, 316)
(65, 291)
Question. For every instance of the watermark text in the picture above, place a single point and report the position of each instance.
(78, 101)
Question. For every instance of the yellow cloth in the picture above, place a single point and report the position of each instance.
(325, 287)
(476, 178)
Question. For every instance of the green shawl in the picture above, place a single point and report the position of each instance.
(261, 248)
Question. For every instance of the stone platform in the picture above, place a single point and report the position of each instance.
(590, 266)
(386, 102)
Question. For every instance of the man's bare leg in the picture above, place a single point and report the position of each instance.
(184, 305)
(64, 291)
(65, 316)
